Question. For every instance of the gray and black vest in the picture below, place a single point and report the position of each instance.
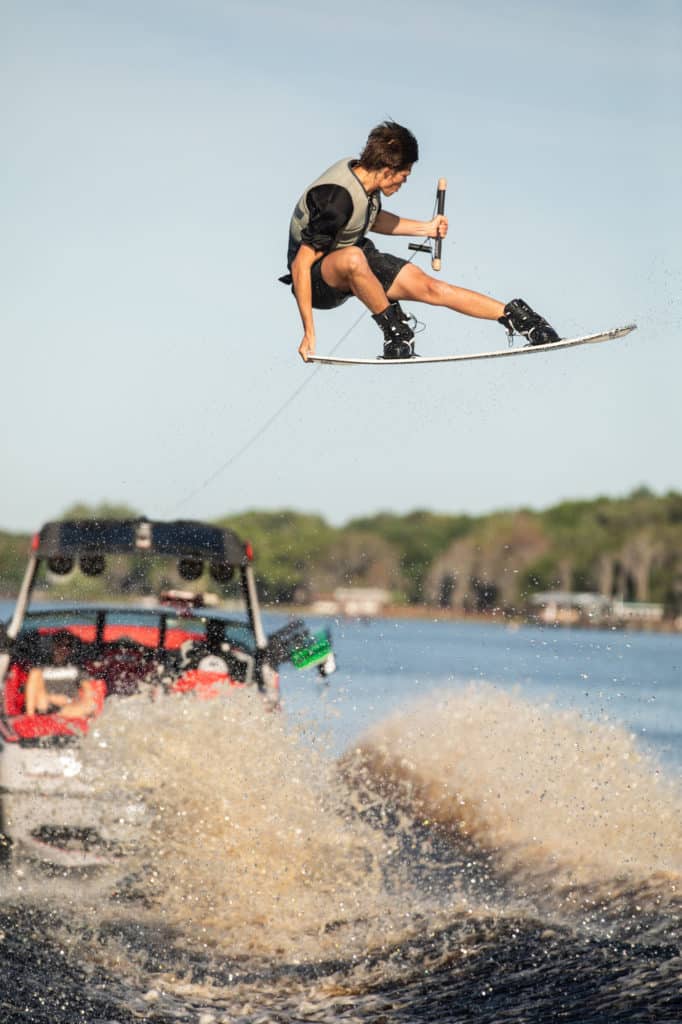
(63, 679)
(365, 208)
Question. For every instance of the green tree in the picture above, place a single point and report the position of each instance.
(105, 510)
(287, 546)
(418, 538)
(14, 549)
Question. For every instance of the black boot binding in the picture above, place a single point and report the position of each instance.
(519, 318)
(398, 335)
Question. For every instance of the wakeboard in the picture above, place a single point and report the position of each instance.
(523, 350)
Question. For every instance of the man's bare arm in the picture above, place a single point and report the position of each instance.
(300, 273)
(388, 224)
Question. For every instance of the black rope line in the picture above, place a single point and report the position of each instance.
(266, 425)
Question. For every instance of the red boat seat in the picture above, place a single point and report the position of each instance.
(204, 684)
(31, 727)
(14, 689)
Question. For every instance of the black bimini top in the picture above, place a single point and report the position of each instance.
(140, 536)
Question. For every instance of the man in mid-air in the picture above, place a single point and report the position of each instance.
(330, 258)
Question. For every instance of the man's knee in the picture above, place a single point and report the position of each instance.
(347, 266)
(431, 290)
(355, 261)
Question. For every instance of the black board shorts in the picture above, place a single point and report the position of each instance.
(385, 267)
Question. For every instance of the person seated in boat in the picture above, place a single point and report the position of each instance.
(59, 688)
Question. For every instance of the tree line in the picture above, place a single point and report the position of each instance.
(628, 548)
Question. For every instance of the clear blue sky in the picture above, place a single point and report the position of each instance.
(152, 153)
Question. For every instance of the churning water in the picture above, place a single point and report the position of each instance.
(466, 824)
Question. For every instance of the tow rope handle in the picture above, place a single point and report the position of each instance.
(440, 208)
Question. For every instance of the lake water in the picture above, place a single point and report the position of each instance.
(633, 678)
(465, 823)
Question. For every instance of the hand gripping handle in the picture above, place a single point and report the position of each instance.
(440, 208)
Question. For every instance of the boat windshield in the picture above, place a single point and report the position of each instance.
(50, 620)
(153, 628)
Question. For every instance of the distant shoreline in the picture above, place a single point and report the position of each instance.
(427, 613)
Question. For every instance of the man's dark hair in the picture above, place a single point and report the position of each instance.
(389, 145)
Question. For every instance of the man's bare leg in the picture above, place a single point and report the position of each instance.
(82, 707)
(347, 270)
(516, 316)
(412, 283)
(35, 699)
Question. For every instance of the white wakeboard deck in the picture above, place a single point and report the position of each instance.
(587, 339)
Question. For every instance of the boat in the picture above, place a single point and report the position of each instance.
(178, 645)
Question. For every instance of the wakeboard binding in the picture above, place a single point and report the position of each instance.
(519, 318)
(397, 331)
